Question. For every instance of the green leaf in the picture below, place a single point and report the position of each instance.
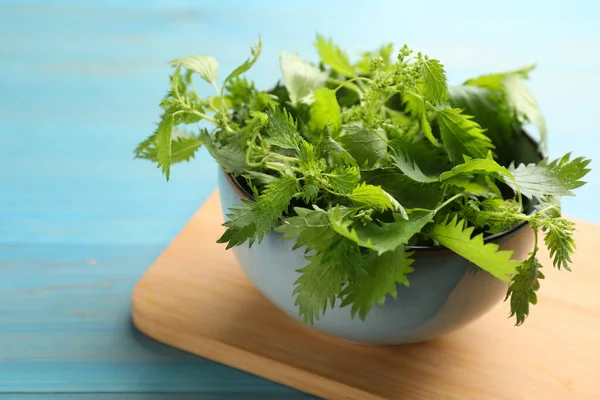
(434, 79)
(523, 288)
(495, 81)
(233, 160)
(163, 144)
(368, 147)
(246, 65)
(343, 180)
(489, 111)
(309, 228)
(325, 111)
(525, 105)
(376, 197)
(558, 237)
(205, 66)
(183, 148)
(415, 105)
(321, 280)
(558, 178)
(461, 135)
(381, 237)
(410, 168)
(251, 220)
(456, 236)
(384, 273)
(409, 193)
(333, 56)
(486, 166)
(281, 130)
(331, 150)
(300, 77)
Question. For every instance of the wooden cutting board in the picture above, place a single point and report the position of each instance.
(195, 297)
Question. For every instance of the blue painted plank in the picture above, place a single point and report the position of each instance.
(65, 327)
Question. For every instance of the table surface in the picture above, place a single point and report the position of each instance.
(80, 220)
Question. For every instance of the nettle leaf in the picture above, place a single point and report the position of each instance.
(246, 65)
(382, 236)
(485, 107)
(335, 153)
(343, 180)
(486, 166)
(309, 228)
(523, 288)
(300, 77)
(409, 193)
(205, 66)
(384, 273)
(163, 133)
(558, 178)
(434, 79)
(415, 105)
(558, 237)
(456, 236)
(525, 105)
(232, 159)
(281, 130)
(409, 167)
(183, 148)
(461, 135)
(321, 281)
(325, 111)
(368, 147)
(376, 197)
(250, 220)
(495, 81)
(333, 56)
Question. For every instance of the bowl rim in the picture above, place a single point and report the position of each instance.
(241, 191)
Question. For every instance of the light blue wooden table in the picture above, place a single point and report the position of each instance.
(80, 220)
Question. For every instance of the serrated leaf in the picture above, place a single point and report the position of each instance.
(183, 148)
(495, 81)
(343, 180)
(486, 166)
(281, 130)
(368, 147)
(409, 167)
(523, 288)
(409, 193)
(232, 159)
(203, 65)
(333, 56)
(250, 221)
(525, 105)
(325, 111)
(376, 197)
(558, 178)
(163, 132)
(384, 273)
(454, 235)
(300, 77)
(335, 153)
(434, 80)
(558, 238)
(246, 65)
(415, 105)
(383, 236)
(308, 228)
(462, 136)
(321, 281)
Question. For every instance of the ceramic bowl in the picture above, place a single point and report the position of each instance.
(446, 291)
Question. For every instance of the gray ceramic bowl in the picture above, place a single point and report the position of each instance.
(446, 291)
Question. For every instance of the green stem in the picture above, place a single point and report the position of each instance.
(356, 79)
(450, 200)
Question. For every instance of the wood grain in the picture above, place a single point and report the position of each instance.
(195, 297)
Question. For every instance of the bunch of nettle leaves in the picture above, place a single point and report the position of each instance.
(360, 162)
